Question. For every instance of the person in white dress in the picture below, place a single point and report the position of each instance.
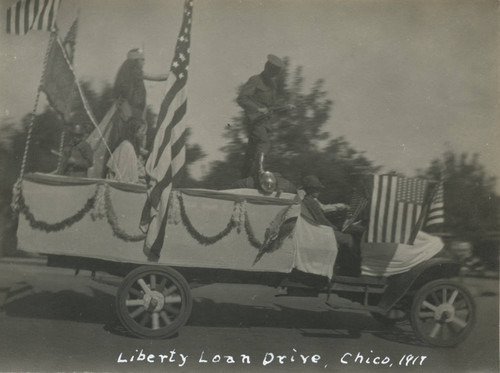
(125, 164)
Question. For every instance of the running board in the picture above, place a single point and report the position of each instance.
(360, 307)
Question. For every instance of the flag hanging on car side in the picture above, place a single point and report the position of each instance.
(398, 208)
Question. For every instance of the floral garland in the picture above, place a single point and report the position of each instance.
(54, 227)
(99, 210)
(250, 233)
(16, 192)
(113, 220)
(174, 214)
(99, 206)
(239, 220)
(201, 238)
(238, 216)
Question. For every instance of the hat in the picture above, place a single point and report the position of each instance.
(267, 181)
(276, 61)
(135, 54)
(78, 129)
(311, 181)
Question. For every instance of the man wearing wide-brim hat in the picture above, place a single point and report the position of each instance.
(311, 208)
(258, 99)
(312, 211)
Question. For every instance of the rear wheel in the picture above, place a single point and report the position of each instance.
(443, 313)
(153, 302)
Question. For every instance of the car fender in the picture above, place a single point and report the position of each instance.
(401, 284)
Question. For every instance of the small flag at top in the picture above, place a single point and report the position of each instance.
(168, 153)
(26, 15)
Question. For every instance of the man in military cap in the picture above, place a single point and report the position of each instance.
(78, 156)
(258, 99)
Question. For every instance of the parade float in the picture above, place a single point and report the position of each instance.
(241, 236)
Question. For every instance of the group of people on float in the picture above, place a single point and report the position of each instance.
(128, 133)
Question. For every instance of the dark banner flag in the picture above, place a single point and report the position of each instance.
(59, 79)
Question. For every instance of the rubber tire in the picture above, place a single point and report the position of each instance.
(422, 294)
(174, 278)
(388, 320)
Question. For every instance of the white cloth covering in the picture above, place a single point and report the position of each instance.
(383, 259)
(315, 248)
(123, 163)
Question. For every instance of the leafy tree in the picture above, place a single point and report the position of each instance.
(471, 207)
(299, 145)
(469, 194)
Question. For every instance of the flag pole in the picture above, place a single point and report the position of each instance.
(18, 184)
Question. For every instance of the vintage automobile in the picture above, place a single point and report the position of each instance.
(231, 236)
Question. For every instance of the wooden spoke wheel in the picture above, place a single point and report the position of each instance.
(443, 313)
(153, 302)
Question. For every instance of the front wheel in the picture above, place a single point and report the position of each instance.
(153, 302)
(443, 313)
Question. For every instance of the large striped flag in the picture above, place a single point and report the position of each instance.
(435, 215)
(26, 15)
(168, 153)
(398, 208)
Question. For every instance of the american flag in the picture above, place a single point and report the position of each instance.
(436, 210)
(168, 154)
(26, 15)
(397, 208)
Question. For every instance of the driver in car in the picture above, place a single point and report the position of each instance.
(347, 259)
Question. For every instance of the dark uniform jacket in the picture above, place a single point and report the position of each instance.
(84, 158)
(257, 93)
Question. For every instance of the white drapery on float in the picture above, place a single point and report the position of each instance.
(212, 229)
(98, 219)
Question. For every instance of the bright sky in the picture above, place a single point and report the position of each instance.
(410, 79)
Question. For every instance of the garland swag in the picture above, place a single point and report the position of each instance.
(113, 220)
(54, 227)
(99, 205)
(239, 217)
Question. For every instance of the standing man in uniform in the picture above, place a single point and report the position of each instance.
(258, 99)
